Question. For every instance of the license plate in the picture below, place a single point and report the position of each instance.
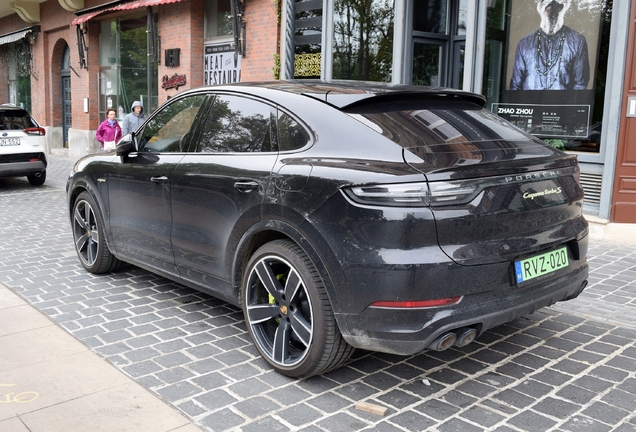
(540, 265)
(9, 141)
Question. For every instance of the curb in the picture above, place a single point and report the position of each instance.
(604, 230)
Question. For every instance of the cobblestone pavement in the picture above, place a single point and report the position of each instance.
(566, 368)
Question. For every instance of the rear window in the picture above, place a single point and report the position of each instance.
(424, 124)
(15, 120)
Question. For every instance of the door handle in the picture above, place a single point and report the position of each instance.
(246, 186)
(158, 179)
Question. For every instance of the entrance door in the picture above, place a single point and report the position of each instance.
(624, 197)
(439, 39)
(67, 120)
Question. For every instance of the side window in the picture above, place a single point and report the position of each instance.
(169, 129)
(236, 125)
(291, 135)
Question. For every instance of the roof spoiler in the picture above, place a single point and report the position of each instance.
(346, 101)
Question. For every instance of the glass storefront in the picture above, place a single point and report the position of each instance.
(363, 40)
(221, 63)
(439, 42)
(17, 57)
(360, 36)
(127, 72)
(544, 68)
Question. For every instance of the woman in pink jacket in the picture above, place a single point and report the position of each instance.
(109, 131)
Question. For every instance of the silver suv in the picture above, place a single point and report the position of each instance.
(22, 145)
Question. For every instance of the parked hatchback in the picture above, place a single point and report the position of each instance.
(22, 145)
(339, 216)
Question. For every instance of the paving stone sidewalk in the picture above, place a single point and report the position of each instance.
(570, 367)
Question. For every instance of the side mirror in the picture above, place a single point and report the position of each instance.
(126, 145)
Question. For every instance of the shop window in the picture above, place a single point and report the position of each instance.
(17, 57)
(429, 16)
(218, 20)
(363, 40)
(128, 71)
(546, 67)
(439, 42)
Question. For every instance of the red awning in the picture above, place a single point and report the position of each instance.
(125, 6)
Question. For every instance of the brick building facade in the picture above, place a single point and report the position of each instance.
(180, 25)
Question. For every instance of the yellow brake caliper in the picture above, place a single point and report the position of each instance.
(272, 300)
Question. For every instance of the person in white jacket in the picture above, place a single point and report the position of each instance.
(134, 119)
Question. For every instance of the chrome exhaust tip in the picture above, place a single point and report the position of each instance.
(443, 342)
(465, 336)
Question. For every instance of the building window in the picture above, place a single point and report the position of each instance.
(360, 40)
(221, 62)
(439, 42)
(218, 21)
(127, 70)
(17, 57)
(363, 40)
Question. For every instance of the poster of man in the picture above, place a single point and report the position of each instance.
(552, 55)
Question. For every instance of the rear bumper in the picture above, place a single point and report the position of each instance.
(408, 331)
(22, 165)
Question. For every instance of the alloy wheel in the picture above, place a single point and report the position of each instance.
(279, 311)
(86, 233)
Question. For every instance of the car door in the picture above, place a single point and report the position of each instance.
(218, 189)
(139, 187)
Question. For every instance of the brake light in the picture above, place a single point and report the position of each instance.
(415, 194)
(395, 195)
(35, 131)
(417, 304)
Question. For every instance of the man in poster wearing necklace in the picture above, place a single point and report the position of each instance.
(554, 57)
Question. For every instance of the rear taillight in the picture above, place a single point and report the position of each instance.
(453, 192)
(38, 131)
(394, 195)
(415, 194)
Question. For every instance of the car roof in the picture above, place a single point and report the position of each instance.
(342, 94)
(11, 107)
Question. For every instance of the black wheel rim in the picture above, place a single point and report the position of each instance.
(85, 233)
(279, 311)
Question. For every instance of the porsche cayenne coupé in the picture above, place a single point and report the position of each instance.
(339, 216)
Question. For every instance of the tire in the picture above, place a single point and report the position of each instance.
(88, 237)
(35, 180)
(288, 313)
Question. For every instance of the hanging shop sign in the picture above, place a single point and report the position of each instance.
(552, 56)
(175, 81)
(221, 65)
